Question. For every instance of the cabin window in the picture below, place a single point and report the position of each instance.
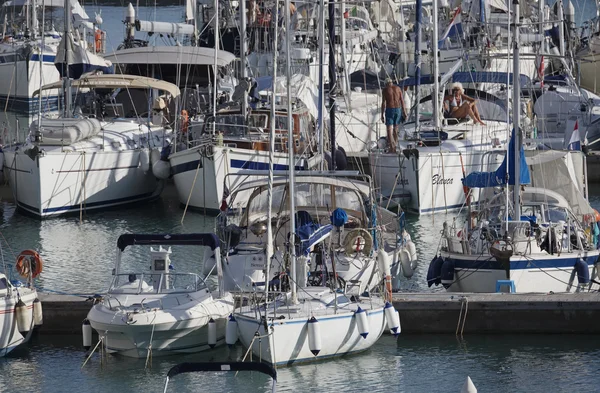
(258, 121)
(3, 284)
(281, 123)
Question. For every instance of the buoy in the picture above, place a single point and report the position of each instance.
(38, 316)
(362, 322)
(392, 318)
(24, 317)
(412, 249)
(29, 263)
(231, 331)
(212, 333)
(86, 330)
(583, 272)
(405, 260)
(314, 336)
(447, 273)
(161, 169)
(145, 160)
(468, 387)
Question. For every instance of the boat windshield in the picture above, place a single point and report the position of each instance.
(312, 197)
(157, 283)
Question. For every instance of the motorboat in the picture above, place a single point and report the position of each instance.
(160, 311)
(20, 307)
(106, 156)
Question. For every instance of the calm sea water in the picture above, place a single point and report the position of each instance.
(79, 256)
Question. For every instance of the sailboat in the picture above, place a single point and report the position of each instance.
(299, 322)
(524, 239)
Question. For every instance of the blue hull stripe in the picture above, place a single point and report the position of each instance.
(91, 205)
(436, 209)
(523, 264)
(238, 164)
(45, 58)
(29, 104)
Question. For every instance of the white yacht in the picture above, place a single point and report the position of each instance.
(30, 47)
(106, 156)
(158, 311)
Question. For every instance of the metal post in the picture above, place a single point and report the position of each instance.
(436, 74)
(332, 79)
(419, 8)
(516, 111)
(244, 73)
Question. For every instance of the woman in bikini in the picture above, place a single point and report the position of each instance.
(459, 106)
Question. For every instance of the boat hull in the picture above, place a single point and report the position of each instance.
(58, 183)
(10, 337)
(288, 341)
(529, 274)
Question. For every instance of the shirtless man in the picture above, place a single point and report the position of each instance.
(392, 112)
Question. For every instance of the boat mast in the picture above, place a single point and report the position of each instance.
(67, 41)
(292, 183)
(320, 120)
(214, 89)
(516, 111)
(244, 73)
(419, 8)
(332, 80)
(269, 249)
(436, 74)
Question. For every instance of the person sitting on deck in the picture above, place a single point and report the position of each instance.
(459, 105)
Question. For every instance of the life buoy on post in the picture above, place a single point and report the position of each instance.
(29, 262)
(358, 240)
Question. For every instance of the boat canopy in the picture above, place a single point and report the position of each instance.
(188, 239)
(189, 55)
(498, 177)
(470, 77)
(115, 82)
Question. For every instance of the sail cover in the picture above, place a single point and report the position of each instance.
(80, 61)
(498, 177)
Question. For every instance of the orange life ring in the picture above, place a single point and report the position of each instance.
(185, 121)
(98, 40)
(29, 262)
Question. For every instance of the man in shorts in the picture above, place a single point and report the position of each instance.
(392, 112)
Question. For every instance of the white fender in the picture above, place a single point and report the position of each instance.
(383, 262)
(412, 249)
(212, 333)
(405, 260)
(231, 331)
(38, 315)
(145, 160)
(161, 169)
(362, 322)
(24, 317)
(154, 156)
(86, 330)
(314, 336)
(392, 318)
(468, 387)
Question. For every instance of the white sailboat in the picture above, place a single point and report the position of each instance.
(317, 321)
(525, 239)
(160, 312)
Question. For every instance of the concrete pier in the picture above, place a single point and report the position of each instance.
(424, 313)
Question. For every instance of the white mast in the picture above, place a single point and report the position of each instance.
(320, 120)
(516, 109)
(214, 89)
(436, 74)
(291, 154)
(269, 250)
(243, 54)
(67, 41)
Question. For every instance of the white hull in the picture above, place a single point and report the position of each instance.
(288, 342)
(535, 278)
(589, 72)
(10, 337)
(59, 183)
(199, 179)
(180, 329)
(20, 78)
(431, 182)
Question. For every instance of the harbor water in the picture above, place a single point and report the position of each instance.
(79, 254)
